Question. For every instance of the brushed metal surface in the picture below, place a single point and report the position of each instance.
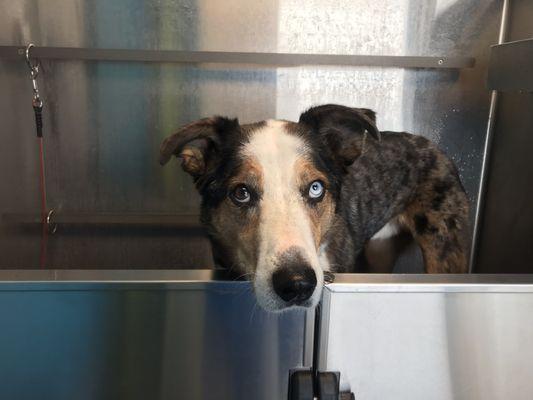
(454, 342)
(193, 340)
(103, 122)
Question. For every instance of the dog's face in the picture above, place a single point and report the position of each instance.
(270, 192)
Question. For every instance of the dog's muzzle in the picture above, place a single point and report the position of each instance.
(294, 284)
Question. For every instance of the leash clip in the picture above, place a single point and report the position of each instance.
(34, 72)
(36, 102)
(34, 67)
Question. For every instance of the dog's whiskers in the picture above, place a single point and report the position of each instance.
(245, 290)
(253, 312)
(252, 274)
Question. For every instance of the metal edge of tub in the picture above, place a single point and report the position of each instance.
(73, 279)
(195, 278)
(473, 283)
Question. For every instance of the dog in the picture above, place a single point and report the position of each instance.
(286, 202)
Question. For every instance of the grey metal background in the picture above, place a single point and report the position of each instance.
(456, 338)
(506, 229)
(184, 338)
(510, 66)
(104, 121)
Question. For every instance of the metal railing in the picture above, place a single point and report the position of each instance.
(252, 58)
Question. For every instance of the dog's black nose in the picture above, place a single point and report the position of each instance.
(294, 284)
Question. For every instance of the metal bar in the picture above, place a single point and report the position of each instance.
(68, 280)
(431, 279)
(487, 149)
(368, 282)
(511, 66)
(321, 351)
(316, 350)
(429, 283)
(109, 276)
(149, 220)
(269, 59)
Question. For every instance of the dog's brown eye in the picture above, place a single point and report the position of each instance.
(240, 195)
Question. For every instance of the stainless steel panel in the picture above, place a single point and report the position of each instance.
(431, 337)
(506, 220)
(125, 338)
(104, 121)
(506, 232)
(502, 37)
(511, 65)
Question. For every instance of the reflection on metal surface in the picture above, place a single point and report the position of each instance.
(106, 120)
(455, 342)
(205, 340)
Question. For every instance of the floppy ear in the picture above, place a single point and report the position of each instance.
(342, 128)
(197, 144)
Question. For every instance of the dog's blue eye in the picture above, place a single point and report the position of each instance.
(316, 189)
(241, 194)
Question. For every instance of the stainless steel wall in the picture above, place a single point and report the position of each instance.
(456, 338)
(506, 225)
(104, 121)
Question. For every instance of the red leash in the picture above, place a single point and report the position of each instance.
(44, 207)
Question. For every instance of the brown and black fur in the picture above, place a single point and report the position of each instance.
(407, 178)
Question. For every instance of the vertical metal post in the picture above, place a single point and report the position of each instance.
(487, 149)
(316, 349)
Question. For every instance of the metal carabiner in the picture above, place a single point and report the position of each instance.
(34, 68)
(34, 71)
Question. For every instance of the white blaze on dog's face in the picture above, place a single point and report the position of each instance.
(277, 208)
(287, 232)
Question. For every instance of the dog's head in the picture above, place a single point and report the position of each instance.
(270, 193)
